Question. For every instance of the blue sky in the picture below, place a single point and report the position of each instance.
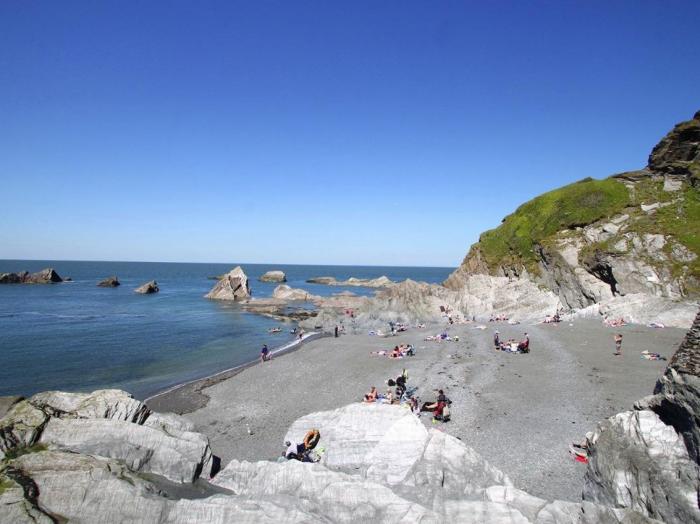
(320, 132)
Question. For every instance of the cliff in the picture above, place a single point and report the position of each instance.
(590, 241)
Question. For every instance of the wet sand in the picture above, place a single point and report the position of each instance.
(521, 412)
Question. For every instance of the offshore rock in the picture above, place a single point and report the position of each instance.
(233, 286)
(273, 276)
(647, 460)
(148, 288)
(109, 282)
(45, 276)
(382, 281)
(284, 292)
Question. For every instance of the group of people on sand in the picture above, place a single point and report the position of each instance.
(511, 345)
(553, 319)
(302, 451)
(614, 322)
(400, 351)
(403, 395)
(498, 318)
(442, 337)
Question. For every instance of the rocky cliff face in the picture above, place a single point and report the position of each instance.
(634, 233)
(648, 459)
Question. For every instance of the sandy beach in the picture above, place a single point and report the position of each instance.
(521, 412)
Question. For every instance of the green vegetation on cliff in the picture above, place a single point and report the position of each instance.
(576, 205)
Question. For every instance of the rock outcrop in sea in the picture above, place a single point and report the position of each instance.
(382, 281)
(109, 282)
(45, 276)
(232, 286)
(273, 276)
(148, 288)
(105, 457)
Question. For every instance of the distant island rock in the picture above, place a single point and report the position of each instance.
(382, 281)
(148, 288)
(109, 282)
(273, 276)
(45, 276)
(233, 286)
(285, 292)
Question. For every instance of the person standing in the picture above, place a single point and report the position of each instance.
(336, 331)
(496, 340)
(264, 353)
(618, 344)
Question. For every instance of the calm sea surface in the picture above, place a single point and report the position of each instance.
(76, 336)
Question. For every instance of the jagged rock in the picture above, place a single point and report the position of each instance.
(181, 457)
(678, 153)
(273, 276)
(109, 282)
(647, 460)
(87, 489)
(233, 286)
(7, 402)
(19, 507)
(284, 292)
(45, 276)
(104, 403)
(148, 288)
(21, 426)
(640, 308)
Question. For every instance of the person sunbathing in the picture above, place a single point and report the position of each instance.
(372, 395)
(396, 353)
(524, 345)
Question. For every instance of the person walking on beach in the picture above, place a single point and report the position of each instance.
(618, 344)
(336, 331)
(264, 353)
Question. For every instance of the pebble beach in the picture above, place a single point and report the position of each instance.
(519, 411)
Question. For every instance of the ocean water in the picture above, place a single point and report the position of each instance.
(76, 336)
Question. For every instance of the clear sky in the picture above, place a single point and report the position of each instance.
(358, 132)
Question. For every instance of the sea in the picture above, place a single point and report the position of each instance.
(75, 336)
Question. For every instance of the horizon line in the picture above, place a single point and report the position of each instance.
(235, 263)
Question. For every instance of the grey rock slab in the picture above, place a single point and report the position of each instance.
(104, 403)
(181, 457)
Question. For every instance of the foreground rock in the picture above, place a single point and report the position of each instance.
(380, 465)
(232, 286)
(148, 288)
(382, 281)
(273, 276)
(45, 276)
(648, 459)
(109, 282)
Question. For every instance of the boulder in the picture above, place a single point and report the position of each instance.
(148, 288)
(233, 286)
(180, 457)
(7, 402)
(21, 427)
(109, 282)
(322, 280)
(112, 404)
(273, 276)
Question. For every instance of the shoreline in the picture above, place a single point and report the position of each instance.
(187, 397)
